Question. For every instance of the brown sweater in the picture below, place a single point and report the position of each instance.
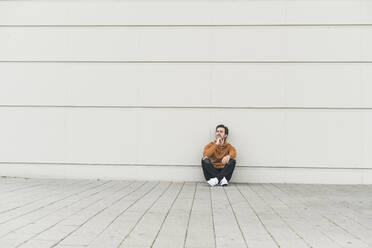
(216, 152)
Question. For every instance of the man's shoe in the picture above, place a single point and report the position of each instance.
(223, 182)
(213, 181)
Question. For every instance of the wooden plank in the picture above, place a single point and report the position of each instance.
(335, 208)
(126, 220)
(254, 231)
(15, 231)
(42, 200)
(14, 196)
(95, 214)
(173, 230)
(314, 202)
(65, 202)
(46, 227)
(298, 220)
(46, 213)
(147, 228)
(51, 228)
(227, 230)
(200, 229)
(12, 185)
(279, 229)
(100, 219)
(351, 200)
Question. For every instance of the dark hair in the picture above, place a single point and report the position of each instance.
(224, 127)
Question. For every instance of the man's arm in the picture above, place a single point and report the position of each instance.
(232, 152)
(209, 149)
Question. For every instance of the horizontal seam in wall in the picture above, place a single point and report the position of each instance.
(187, 62)
(179, 107)
(191, 25)
(180, 165)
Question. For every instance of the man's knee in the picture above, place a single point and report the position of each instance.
(205, 160)
(232, 161)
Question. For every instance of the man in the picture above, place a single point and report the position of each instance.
(218, 160)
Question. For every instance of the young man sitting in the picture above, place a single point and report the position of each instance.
(219, 159)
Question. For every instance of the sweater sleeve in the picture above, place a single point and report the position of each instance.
(232, 152)
(209, 149)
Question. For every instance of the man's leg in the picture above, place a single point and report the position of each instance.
(227, 171)
(208, 169)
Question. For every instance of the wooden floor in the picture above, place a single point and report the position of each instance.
(94, 213)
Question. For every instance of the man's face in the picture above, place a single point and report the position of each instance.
(220, 133)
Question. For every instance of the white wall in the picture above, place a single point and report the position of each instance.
(134, 89)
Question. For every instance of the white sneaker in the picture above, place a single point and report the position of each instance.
(223, 182)
(213, 181)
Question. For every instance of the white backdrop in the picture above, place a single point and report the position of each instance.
(134, 89)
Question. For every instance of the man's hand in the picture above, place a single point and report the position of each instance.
(225, 159)
(219, 141)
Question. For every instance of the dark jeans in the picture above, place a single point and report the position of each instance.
(210, 172)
